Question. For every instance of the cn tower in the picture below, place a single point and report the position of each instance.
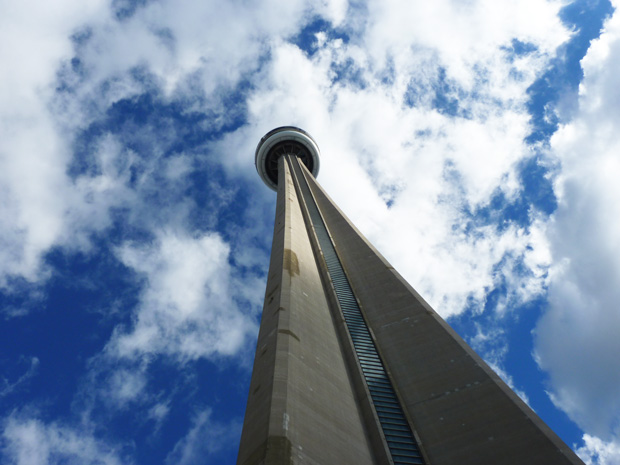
(352, 366)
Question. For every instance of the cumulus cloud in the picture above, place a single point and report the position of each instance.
(416, 165)
(463, 36)
(33, 154)
(577, 339)
(71, 62)
(29, 441)
(597, 452)
(193, 305)
(189, 306)
(365, 99)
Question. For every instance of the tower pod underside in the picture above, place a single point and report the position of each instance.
(285, 140)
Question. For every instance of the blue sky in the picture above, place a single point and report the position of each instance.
(480, 145)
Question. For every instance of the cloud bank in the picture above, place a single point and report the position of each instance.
(577, 339)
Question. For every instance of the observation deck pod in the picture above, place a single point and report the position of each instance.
(288, 140)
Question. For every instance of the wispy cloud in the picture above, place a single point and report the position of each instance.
(205, 437)
(29, 441)
(7, 386)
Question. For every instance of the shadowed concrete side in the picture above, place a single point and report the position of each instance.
(462, 412)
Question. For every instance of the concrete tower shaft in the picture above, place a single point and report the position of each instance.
(353, 367)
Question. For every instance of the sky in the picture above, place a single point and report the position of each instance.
(474, 142)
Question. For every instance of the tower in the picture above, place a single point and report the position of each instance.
(352, 366)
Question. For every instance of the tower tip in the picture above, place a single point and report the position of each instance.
(280, 141)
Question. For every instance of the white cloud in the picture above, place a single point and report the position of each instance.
(190, 306)
(193, 304)
(126, 385)
(597, 452)
(33, 154)
(456, 166)
(180, 46)
(577, 339)
(370, 105)
(463, 35)
(196, 51)
(29, 441)
(432, 167)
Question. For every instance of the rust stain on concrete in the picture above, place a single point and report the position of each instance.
(291, 263)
